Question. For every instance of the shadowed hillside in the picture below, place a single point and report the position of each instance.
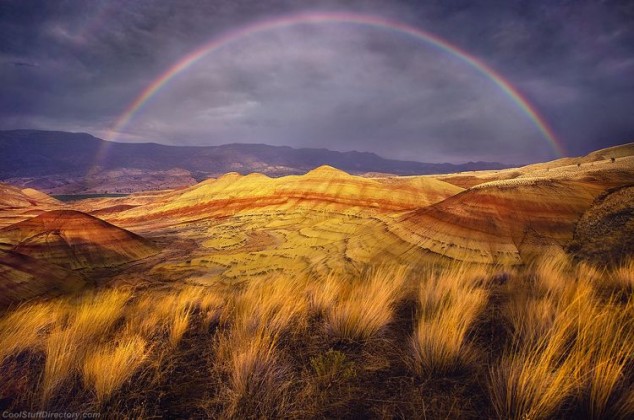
(23, 278)
(605, 232)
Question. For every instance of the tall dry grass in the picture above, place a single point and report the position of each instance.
(323, 293)
(178, 325)
(450, 302)
(569, 347)
(603, 350)
(534, 379)
(248, 353)
(26, 327)
(362, 308)
(62, 356)
(277, 304)
(106, 368)
(258, 378)
(619, 283)
(96, 313)
(91, 318)
(171, 313)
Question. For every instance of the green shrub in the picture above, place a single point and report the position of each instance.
(332, 367)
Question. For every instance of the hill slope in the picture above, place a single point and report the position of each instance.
(499, 223)
(74, 240)
(322, 188)
(23, 277)
(605, 232)
(613, 163)
(17, 204)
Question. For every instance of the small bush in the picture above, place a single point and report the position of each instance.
(332, 367)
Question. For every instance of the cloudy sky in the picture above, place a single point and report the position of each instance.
(77, 65)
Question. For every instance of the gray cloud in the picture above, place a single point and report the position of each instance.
(75, 65)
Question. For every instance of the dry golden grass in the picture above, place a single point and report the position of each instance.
(212, 306)
(178, 326)
(91, 317)
(277, 305)
(96, 313)
(531, 317)
(364, 307)
(247, 351)
(323, 293)
(208, 301)
(567, 344)
(624, 275)
(618, 284)
(61, 358)
(551, 274)
(532, 381)
(108, 367)
(26, 327)
(603, 349)
(158, 314)
(569, 349)
(450, 302)
(257, 378)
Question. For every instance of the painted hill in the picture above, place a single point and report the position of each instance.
(18, 204)
(322, 188)
(613, 163)
(328, 220)
(499, 223)
(73, 239)
(15, 198)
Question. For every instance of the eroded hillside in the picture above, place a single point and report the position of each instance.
(326, 221)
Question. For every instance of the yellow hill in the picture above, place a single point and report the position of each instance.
(324, 188)
(597, 164)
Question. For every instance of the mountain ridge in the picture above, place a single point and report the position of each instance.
(50, 160)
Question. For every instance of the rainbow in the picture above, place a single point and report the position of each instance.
(348, 18)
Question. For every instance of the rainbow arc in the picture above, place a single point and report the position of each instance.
(428, 38)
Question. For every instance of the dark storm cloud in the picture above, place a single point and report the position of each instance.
(23, 64)
(76, 65)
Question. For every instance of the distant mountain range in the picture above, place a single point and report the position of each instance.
(57, 161)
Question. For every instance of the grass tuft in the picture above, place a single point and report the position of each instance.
(108, 367)
(450, 302)
(365, 307)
